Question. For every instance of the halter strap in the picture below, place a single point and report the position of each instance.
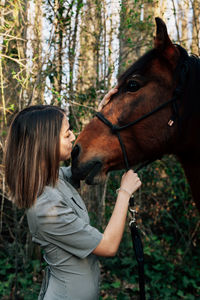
(183, 67)
(137, 244)
(115, 130)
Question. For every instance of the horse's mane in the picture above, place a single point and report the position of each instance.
(138, 66)
(192, 87)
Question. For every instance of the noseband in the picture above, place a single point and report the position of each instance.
(115, 129)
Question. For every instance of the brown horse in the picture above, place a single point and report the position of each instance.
(159, 99)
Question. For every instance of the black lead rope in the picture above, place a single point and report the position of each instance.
(115, 129)
(137, 242)
(138, 248)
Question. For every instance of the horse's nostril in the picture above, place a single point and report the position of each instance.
(75, 152)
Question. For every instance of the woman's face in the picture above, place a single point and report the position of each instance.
(66, 139)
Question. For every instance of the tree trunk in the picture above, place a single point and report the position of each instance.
(195, 48)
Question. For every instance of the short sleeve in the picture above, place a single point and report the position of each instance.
(59, 224)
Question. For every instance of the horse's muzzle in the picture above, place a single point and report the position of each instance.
(84, 171)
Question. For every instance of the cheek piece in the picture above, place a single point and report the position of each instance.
(181, 68)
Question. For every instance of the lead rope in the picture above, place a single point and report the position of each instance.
(136, 239)
(138, 248)
(137, 242)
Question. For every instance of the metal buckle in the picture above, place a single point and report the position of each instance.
(133, 213)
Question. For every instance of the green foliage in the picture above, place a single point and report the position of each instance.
(169, 228)
(135, 31)
(87, 105)
(168, 222)
(20, 265)
(167, 216)
(21, 283)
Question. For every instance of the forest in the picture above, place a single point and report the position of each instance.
(70, 53)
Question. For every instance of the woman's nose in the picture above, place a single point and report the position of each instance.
(72, 136)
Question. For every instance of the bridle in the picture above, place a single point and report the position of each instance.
(182, 70)
(115, 129)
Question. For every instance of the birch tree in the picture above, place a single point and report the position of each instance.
(195, 47)
(183, 7)
(160, 8)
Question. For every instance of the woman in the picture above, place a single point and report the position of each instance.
(39, 139)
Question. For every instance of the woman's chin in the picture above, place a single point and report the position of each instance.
(65, 158)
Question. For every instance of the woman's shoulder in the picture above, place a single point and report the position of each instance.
(51, 196)
(45, 202)
(50, 204)
(47, 199)
(50, 208)
(55, 196)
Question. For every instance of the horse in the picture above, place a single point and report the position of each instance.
(155, 112)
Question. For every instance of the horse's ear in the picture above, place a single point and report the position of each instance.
(163, 43)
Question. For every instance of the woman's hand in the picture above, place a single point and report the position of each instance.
(130, 182)
(107, 97)
(115, 228)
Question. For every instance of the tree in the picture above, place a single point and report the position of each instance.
(195, 48)
(135, 35)
(69, 53)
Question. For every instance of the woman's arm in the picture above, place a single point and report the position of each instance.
(113, 233)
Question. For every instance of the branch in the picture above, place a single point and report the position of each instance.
(13, 37)
(78, 104)
(15, 60)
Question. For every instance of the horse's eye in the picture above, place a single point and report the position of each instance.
(133, 86)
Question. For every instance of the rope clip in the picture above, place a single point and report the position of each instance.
(133, 213)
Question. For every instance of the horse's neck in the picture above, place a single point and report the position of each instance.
(192, 172)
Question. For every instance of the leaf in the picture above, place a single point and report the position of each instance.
(116, 284)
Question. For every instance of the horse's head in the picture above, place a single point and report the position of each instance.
(146, 85)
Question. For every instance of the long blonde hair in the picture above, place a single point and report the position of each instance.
(32, 152)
